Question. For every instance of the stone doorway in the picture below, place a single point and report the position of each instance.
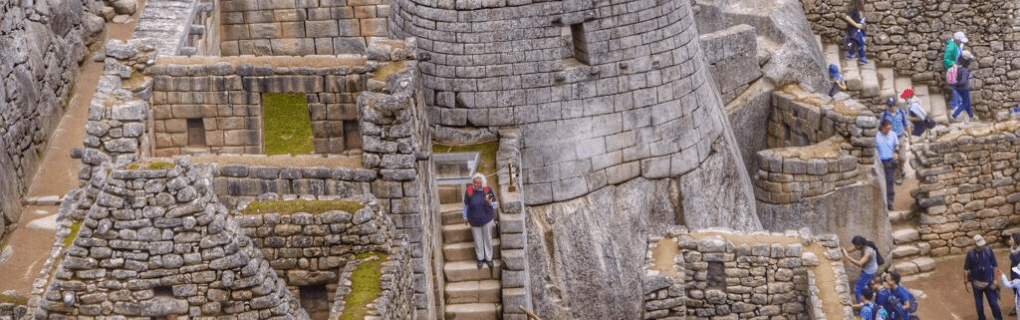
(315, 301)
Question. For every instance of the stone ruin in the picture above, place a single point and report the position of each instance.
(640, 143)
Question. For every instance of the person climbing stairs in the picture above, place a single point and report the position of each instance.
(470, 292)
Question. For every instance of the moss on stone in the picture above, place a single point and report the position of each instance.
(73, 233)
(288, 126)
(383, 73)
(295, 206)
(14, 299)
(155, 165)
(365, 286)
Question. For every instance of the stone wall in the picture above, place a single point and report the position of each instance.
(226, 99)
(801, 118)
(314, 249)
(41, 45)
(968, 185)
(824, 153)
(301, 28)
(712, 277)
(910, 36)
(237, 184)
(630, 96)
(395, 300)
(787, 175)
(155, 243)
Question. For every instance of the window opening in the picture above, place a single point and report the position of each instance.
(196, 132)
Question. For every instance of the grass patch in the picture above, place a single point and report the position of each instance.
(74, 233)
(156, 165)
(383, 73)
(288, 127)
(15, 299)
(295, 206)
(136, 79)
(364, 287)
(486, 162)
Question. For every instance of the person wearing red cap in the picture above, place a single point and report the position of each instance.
(898, 119)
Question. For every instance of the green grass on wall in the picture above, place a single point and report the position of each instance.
(288, 128)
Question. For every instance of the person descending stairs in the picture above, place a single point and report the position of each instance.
(472, 289)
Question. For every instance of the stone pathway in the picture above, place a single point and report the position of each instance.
(470, 293)
(30, 242)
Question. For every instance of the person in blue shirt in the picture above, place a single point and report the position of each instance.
(1015, 284)
(979, 274)
(479, 212)
(901, 303)
(871, 310)
(898, 118)
(886, 143)
(962, 85)
(837, 79)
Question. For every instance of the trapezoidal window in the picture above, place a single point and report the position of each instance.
(196, 132)
(352, 135)
(578, 42)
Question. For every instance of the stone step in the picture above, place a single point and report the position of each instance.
(455, 233)
(468, 271)
(471, 311)
(886, 82)
(900, 84)
(905, 236)
(938, 108)
(913, 266)
(465, 251)
(852, 74)
(42, 201)
(485, 291)
(870, 86)
(905, 251)
(453, 216)
(899, 216)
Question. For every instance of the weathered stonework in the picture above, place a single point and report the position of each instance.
(41, 45)
(712, 278)
(910, 37)
(967, 186)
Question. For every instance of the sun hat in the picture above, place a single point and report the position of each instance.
(960, 36)
(890, 102)
(907, 94)
(979, 240)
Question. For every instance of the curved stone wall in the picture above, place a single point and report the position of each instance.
(641, 104)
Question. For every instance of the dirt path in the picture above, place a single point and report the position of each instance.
(58, 174)
(944, 295)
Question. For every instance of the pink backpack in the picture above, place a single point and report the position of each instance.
(951, 75)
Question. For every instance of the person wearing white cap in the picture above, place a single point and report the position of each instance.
(979, 271)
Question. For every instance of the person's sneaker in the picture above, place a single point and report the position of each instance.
(890, 207)
(490, 264)
(480, 263)
(863, 61)
(899, 181)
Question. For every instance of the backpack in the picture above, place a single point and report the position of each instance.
(484, 190)
(951, 75)
(886, 115)
(949, 56)
(877, 311)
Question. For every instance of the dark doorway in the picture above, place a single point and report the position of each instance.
(315, 301)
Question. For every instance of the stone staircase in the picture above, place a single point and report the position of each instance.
(909, 254)
(873, 85)
(470, 293)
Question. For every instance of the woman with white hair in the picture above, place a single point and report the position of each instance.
(479, 211)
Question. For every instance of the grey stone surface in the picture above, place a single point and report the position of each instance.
(605, 228)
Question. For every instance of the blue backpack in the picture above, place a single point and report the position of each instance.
(875, 311)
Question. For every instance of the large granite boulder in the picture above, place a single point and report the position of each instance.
(586, 254)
